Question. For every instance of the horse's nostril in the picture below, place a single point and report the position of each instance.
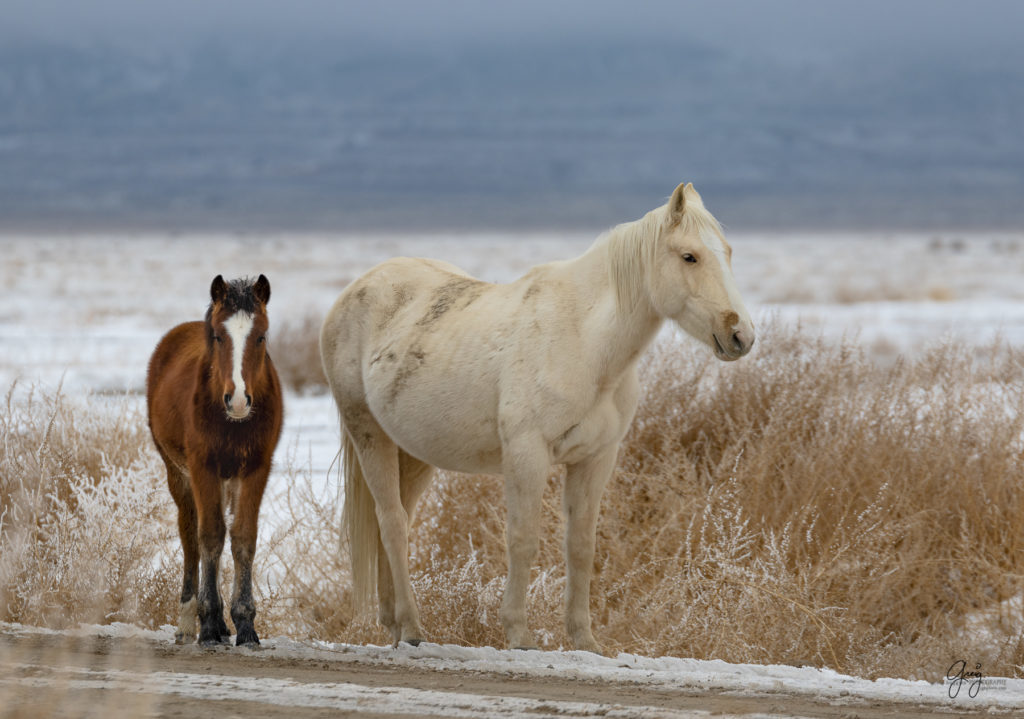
(248, 400)
(227, 400)
(737, 342)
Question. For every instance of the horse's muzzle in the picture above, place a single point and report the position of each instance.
(736, 344)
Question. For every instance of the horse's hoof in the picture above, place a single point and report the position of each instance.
(410, 642)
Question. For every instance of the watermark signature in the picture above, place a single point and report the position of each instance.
(960, 675)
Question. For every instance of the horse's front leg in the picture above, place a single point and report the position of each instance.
(584, 485)
(207, 492)
(243, 549)
(525, 464)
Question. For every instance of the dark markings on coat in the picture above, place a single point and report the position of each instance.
(446, 296)
(413, 360)
(403, 295)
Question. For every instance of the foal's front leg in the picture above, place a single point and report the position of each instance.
(207, 492)
(243, 548)
(526, 467)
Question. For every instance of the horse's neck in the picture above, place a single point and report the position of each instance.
(618, 332)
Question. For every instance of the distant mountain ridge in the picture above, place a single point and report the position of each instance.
(585, 134)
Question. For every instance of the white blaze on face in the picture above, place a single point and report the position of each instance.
(238, 327)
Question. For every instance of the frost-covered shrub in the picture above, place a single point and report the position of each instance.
(87, 530)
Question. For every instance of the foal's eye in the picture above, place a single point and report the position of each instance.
(218, 339)
(260, 340)
(687, 257)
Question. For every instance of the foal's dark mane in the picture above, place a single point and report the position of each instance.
(239, 297)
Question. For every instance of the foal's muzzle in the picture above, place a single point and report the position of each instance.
(238, 408)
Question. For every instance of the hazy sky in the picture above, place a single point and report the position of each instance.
(813, 25)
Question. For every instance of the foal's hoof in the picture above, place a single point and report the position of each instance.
(247, 638)
(214, 639)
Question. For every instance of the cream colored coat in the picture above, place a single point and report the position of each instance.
(432, 368)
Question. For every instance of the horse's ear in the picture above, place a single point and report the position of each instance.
(692, 194)
(262, 289)
(677, 204)
(218, 289)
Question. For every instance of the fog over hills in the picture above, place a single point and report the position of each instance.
(423, 124)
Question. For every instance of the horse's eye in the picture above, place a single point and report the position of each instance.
(687, 257)
(260, 340)
(218, 339)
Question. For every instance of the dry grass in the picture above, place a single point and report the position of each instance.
(801, 506)
(295, 348)
(84, 531)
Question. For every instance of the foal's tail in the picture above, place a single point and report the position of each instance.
(359, 521)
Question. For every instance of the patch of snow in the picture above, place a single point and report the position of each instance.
(668, 673)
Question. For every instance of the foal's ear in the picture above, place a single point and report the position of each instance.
(677, 204)
(218, 289)
(262, 289)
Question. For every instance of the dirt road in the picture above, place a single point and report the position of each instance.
(55, 675)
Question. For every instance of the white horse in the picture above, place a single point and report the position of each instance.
(433, 368)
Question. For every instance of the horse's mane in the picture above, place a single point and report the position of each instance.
(632, 248)
(239, 297)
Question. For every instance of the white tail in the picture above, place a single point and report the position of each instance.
(359, 523)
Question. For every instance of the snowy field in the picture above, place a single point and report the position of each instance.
(84, 313)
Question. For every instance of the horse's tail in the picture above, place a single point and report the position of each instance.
(359, 523)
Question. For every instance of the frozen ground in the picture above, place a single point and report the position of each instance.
(141, 672)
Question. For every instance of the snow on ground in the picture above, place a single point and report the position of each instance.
(664, 673)
(85, 312)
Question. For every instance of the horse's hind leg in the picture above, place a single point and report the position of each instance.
(414, 478)
(181, 491)
(243, 548)
(378, 456)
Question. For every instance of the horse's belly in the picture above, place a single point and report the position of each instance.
(447, 429)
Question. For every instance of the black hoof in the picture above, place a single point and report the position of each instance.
(247, 638)
(413, 642)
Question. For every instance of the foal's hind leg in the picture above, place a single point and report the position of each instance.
(414, 478)
(181, 491)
